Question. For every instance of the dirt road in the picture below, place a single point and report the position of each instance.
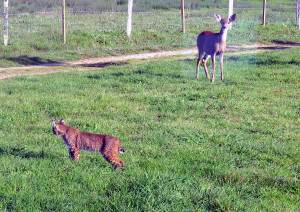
(98, 62)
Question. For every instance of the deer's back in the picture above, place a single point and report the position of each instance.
(210, 43)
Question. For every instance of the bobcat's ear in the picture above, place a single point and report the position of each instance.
(62, 121)
(54, 124)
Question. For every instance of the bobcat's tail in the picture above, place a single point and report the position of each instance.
(121, 150)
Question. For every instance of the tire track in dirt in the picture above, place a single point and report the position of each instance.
(98, 62)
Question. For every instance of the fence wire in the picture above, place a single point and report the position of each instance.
(84, 6)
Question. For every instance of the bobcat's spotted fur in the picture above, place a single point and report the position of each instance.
(76, 140)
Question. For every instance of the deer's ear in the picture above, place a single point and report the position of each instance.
(218, 17)
(62, 121)
(54, 124)
(232, 18)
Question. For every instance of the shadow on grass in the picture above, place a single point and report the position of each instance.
(275, 61)
(103, 65)
(290, 43)
(266, 60)
(274, 47)
(37, 61)
(159, 75)
(22, 152)
(26, 60)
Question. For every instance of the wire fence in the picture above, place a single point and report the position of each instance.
(84, 6)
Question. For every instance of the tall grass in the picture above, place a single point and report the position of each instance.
(190, 145)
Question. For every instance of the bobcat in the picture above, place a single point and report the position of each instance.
(108, 145)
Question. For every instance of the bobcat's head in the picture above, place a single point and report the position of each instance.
(59, 128)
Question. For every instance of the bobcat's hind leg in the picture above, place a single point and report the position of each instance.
(113, 159)
(74, 153)
(117, 162)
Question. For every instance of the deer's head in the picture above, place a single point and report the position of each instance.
(224, 21)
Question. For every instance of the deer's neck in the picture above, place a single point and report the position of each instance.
(223, 34)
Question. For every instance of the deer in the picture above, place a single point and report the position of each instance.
(213, 44)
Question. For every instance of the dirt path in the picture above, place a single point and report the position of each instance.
(98, 62)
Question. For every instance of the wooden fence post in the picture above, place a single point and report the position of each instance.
(129, 19)
(298, 14)
(264, 12)
(230, 11)
(64, 21)
(5, 28)
(182, 16)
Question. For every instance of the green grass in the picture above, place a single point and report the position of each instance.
(190, 145)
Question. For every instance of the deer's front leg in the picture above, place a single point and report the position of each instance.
(197, 71)
(213, 59)
(221, 66)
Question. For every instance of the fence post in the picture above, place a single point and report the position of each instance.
(298, 14)
(264, 12)
(230, 11)
(5, 28)
(130, 5)
(64, 21)
(182, 16)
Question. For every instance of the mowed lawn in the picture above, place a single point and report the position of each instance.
(190, 145)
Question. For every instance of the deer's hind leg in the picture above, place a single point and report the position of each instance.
(204, 61)
(198, 64)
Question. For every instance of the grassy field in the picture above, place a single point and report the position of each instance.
(37, 38)
(190, 145)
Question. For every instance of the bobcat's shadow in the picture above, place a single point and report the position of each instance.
(22, 152)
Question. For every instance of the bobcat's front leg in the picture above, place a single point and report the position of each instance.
(74, 153)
